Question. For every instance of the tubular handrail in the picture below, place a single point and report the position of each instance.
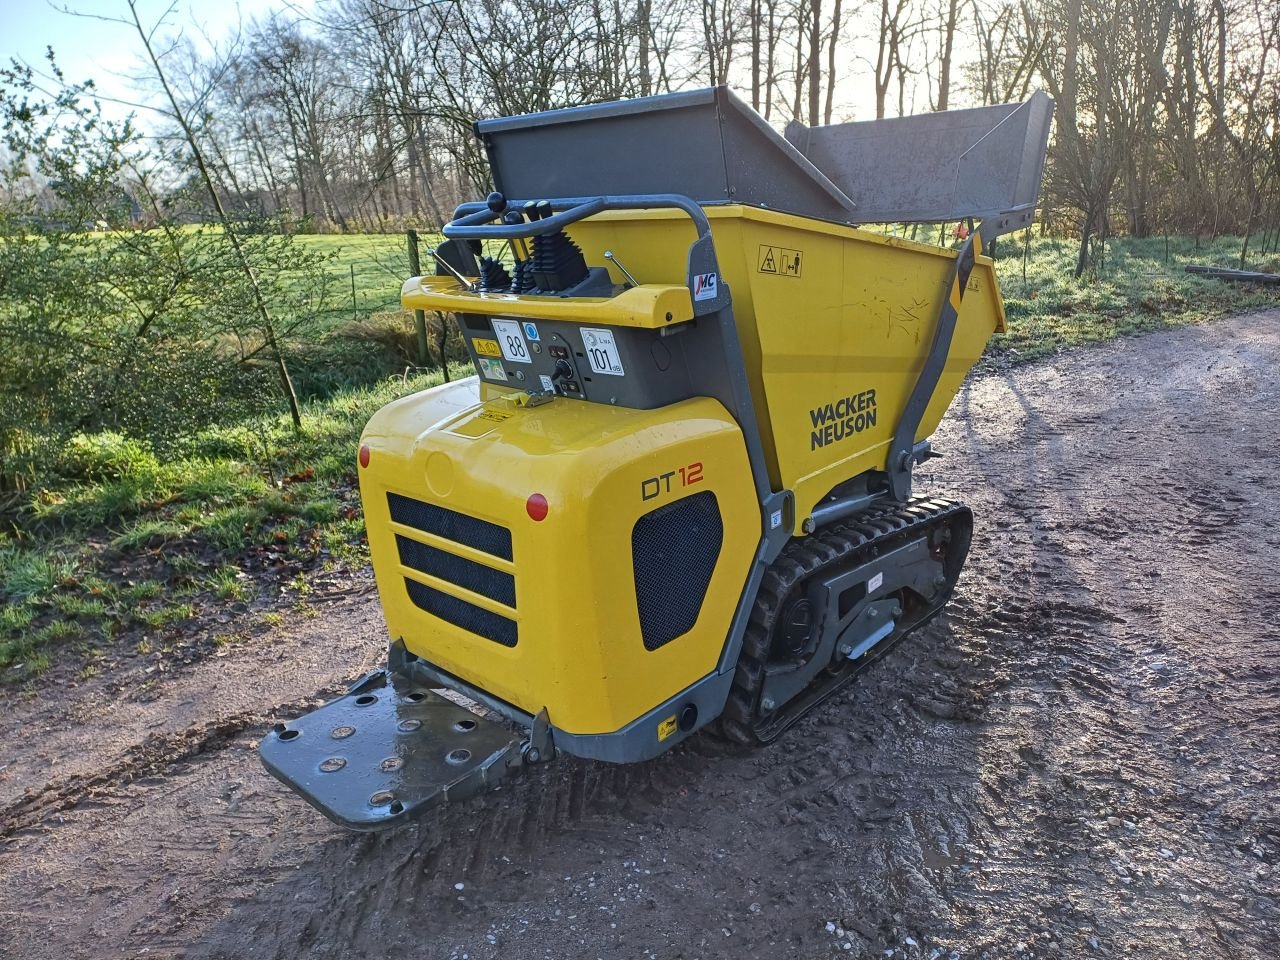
(473, 221)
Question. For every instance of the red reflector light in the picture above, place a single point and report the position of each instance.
(364, 455)
(537, 506)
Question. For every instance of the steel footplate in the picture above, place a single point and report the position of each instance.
(387, 751)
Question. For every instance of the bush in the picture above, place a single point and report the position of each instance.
(361, 352)
(105, 456)
(148, 333)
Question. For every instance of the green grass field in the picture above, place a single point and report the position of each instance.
(1140, 285)
(377, 264)
(118, 545)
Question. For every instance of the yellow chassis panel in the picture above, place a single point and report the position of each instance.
(649, 306)
(580, 653)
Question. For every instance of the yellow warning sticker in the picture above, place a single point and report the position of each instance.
(666, 728)
(483, 421)
(487, 348)
(780, 261)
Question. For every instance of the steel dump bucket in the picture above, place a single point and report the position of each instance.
(710, 146)
(937, 166)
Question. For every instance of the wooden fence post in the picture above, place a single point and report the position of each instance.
(419, 316)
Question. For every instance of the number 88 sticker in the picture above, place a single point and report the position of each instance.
(511, 340)
(602, 351)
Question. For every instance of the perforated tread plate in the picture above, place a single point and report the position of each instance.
(387, 751)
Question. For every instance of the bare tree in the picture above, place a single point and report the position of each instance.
(178, 115)
(302, 75)
(364, 117)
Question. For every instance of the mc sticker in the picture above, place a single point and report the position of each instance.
(704, 286)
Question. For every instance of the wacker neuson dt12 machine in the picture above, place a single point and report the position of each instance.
(678, 489)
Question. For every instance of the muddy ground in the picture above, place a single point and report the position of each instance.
(1078, 760)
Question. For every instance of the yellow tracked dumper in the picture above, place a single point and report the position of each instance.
(677, 491)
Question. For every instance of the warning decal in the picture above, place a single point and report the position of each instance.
(667, 727)
(492, 369)
(780, 261)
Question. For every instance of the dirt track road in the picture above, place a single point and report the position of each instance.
(1078, 760)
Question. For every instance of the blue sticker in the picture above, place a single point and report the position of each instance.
(531, 331)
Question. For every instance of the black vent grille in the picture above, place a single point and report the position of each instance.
(476, 577)
(458, 527)
(473, 576)
(674, 550)
(468, 616)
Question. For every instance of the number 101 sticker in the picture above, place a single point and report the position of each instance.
(602, 352)
(511, 340)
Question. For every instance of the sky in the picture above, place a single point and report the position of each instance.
(109, 53)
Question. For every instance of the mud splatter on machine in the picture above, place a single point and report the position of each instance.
(678, 489)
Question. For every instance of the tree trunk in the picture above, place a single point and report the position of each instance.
(832, 42)
(755, 55)
(884, 67)
(815, 61)
(948, 41)
(644, 15)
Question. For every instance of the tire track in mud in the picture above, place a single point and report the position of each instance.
(151, 757)
(154, 756)
(838, 777)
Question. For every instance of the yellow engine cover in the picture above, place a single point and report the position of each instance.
(583, 610)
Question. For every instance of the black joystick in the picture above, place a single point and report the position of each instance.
(496, 202)
(522, 277)
(563, 371)
(557, 262)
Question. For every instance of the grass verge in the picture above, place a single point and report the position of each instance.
(1137, 287)
(119, 542)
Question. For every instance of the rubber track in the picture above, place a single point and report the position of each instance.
(856, 539)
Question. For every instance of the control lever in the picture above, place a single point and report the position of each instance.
(519, 248)
(608, 255)
(448, 266)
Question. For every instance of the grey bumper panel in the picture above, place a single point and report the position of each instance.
(387, 751)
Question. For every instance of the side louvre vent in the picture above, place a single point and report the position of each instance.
(451, 568)
(674, 550)
(467, 574)
(462, 614)
(451, 525)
